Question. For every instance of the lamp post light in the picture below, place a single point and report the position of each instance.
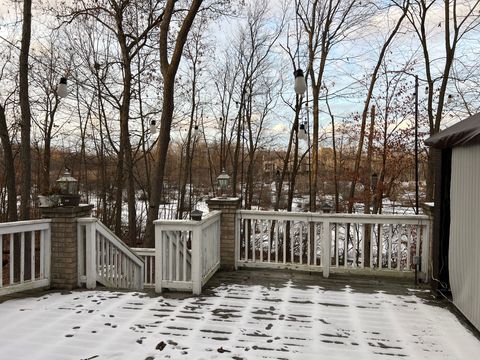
(62, 89)
(68, 186)
(326, 208)
(223, 179)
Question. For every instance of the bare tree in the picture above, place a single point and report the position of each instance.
(169, 63)
(460, 17)
(371, 87)
(25, 152)
(326, 24)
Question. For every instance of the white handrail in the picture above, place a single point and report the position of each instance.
(318, 242)
(148, 256)
(337, 217)
(173, 267)
(103, 257)
(14, 235)
(24, 226)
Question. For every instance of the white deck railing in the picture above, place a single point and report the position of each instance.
(22, 269)
(187, 253)
(324, 241)
(103, 257)
(148, 256)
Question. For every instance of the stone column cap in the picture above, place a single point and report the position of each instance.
(221, 202)
(65, 210)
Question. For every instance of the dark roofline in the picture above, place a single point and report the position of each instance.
(463, 133)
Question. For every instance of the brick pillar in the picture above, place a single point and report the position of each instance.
(64, 267)
(229, 207)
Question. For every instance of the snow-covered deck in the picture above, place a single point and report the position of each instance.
(243, 315)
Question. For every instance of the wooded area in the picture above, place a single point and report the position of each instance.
(165, 94)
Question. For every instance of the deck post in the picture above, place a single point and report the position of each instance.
(196, 261)
(326, 248)
(228, 248)
(64, 263)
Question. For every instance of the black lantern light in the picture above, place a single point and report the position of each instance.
(196, 215)
(326, 208)
(68, 186)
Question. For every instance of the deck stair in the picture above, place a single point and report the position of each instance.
(105, 259)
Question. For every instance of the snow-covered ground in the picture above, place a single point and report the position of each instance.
(237, 322)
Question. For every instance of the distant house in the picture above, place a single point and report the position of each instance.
(456, 236)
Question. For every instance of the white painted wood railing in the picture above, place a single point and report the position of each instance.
(104, 258)
(21, 269)
(324, 241)
(148, 256)
(179, 241)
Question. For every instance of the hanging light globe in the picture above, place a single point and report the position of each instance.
(300, 83)
(62, 89)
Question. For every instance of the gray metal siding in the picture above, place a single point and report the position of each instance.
(464, 248)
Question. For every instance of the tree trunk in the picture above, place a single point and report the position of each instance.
(10, 166)
(25, 153)
(158, 170)
(373, 80)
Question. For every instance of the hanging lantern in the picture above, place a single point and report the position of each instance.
(153, 127)
(300, 83)
(62, 89)
(302, 132)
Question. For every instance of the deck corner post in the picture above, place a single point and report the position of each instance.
(63, 265)
(229, 236)
(158, 258)
(196, 261)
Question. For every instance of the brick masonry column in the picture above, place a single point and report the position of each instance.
(64, 261)
(229, 207)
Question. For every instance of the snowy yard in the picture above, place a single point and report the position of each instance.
(236, 321)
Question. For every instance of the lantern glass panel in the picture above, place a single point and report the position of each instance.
(68, 185)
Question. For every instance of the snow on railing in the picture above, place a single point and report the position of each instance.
(322, 241)
(103, 257)
(25, 250)
(187, 252)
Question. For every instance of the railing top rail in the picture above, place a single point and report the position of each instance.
(87, 220)
(189, 224)
(334, 217)
(144, 251)
(114, 239)
(25, 225)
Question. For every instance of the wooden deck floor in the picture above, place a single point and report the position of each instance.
(248, 314)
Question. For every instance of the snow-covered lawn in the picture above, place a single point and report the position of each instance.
(236, 322)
